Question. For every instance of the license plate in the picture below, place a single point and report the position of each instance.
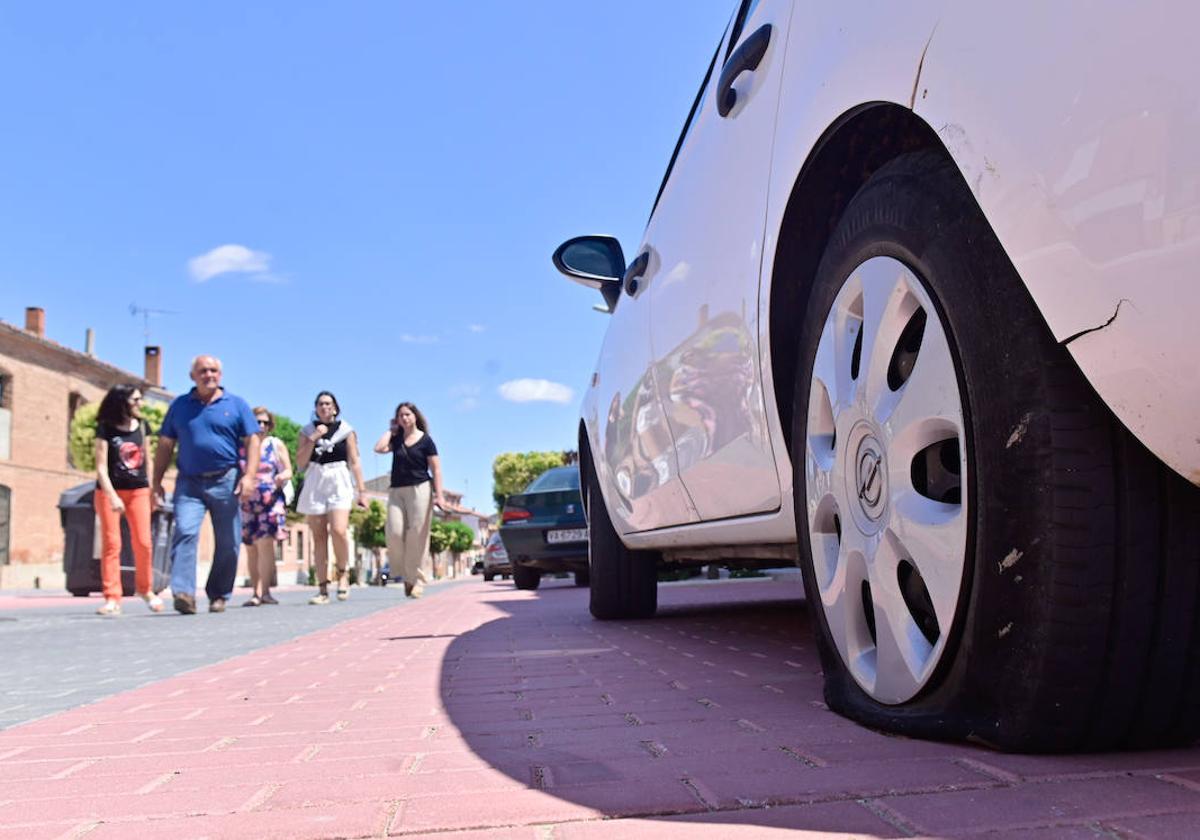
(567, 535)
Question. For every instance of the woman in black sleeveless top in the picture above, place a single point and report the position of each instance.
(333, 483)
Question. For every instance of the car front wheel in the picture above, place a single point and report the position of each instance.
(986, 551)
(624, 583)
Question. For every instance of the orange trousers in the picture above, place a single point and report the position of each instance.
(137, 512)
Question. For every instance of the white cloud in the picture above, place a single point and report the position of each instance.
(476, 328)
(231, 259)
(408, 338)
(536, 390)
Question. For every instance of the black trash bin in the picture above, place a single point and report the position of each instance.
(81, 549)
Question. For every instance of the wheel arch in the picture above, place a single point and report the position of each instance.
(584, 448)
(850, 150)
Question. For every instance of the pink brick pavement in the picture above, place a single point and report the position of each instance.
(483, 712)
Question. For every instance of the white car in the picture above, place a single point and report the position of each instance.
(916, 307)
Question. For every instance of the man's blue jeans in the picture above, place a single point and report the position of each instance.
(194, 495)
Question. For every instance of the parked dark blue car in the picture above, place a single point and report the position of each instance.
(544, 529)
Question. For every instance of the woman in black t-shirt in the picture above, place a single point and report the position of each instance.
(415, 464)
(123, 488)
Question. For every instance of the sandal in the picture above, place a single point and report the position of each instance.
(110, 608)
(254, 601)
(153, 602)
(268, 599)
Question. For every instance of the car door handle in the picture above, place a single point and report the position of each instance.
(636, 271)
(745, 59)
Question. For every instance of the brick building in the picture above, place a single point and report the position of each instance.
(42, 385)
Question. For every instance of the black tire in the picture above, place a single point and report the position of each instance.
(526, 577)
(624, 583)
(583, 578)
(1092, 640)
(81, 593)
(488, 576)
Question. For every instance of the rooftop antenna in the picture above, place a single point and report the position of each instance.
(146, 313)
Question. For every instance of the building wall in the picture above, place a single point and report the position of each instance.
(40, 380)
(37, 468)
(292, 558)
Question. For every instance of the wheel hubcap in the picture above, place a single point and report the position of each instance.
(869, 475)
(885, 470)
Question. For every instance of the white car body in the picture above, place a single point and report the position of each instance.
(1080, 139)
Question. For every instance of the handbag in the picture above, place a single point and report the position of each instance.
(289, 488)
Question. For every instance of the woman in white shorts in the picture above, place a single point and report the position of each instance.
(328, 454)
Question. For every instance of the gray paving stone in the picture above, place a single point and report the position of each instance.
(60, 657)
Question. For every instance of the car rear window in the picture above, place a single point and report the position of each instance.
(559, 478)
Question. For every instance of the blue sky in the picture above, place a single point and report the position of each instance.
(394, 177)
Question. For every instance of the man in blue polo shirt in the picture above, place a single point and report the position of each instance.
(209, 424)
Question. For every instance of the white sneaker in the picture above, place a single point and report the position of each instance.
(110, 608)
(153, 602)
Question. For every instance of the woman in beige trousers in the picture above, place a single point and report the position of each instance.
(415, 487)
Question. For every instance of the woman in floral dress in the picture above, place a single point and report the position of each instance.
(264, 514)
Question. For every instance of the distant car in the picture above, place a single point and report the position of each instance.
(495, 559)
(922, 320)
(544, 529)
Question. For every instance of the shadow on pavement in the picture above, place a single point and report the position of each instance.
(712, 709)
(711, 715)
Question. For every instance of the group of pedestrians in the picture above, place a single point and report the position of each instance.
(231, 466)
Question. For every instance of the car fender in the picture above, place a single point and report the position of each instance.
(1081, 149)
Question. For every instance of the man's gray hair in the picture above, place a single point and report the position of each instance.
(196, 360)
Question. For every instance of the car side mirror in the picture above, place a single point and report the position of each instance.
(593, 261)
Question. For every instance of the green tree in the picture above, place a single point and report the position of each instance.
(83, 433)
(370, 525)
(288, 431)
(440, 536)
(461, 536)
(512, 471)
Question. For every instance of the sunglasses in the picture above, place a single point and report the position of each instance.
(264, 422)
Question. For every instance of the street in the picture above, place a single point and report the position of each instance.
(60, 655)
(484, 712)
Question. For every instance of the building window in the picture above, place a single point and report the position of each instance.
(300, 546)
(6, 400)
(5, 519)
